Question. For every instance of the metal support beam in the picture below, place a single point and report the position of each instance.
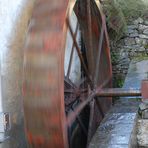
(115, 92)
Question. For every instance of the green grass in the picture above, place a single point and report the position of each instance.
(133, 8)
(119, 13)
(118, 82)
(114, 57)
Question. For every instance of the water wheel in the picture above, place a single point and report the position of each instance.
(67, 59)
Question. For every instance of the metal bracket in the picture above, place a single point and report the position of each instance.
(144, 89)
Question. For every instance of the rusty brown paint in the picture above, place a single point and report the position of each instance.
(43, 76)
(72, 116)
(102, 68)
(118, 92)
(144, 90)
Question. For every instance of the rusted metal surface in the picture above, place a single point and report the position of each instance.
(44, 82)
(90, 126)
(90, 52)
(99, 54)
(96, 42)
(112, 92)
(43, 76)
(118, 92)
(54, 103)
(72, 116)
(144, 89)
(95, 21)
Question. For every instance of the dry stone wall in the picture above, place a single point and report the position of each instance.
(133, 44)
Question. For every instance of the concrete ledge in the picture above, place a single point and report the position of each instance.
(117, 130)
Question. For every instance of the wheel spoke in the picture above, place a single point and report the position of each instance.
(69, 83)
(84, 92)
(81, 82)
(80, 123)
(92, 104)
(99, 54)
(72, 116)
(100, 107)
(90, 47)
(75, 91)
(71, 55)
(79, 53)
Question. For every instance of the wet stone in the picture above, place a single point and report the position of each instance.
(108, 146)
(120, 139)
(118, 126)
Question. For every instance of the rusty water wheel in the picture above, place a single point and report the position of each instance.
(58, 112)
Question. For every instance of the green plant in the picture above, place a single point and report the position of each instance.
(115, 20)
(114, 57)
(118, 82)
(146, 46)
(122, 12)
(133, 8)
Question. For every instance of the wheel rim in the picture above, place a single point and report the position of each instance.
(51, 128)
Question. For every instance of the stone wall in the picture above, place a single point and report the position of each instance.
(133, 44)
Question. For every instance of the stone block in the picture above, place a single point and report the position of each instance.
(146, 22)
(132, 27)
(134, 34)
(143, 36)
(142, 27)
(138, 21)
(129, 41)
(141, 49)
(145, 31)
(140, 41)
(130, 30)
